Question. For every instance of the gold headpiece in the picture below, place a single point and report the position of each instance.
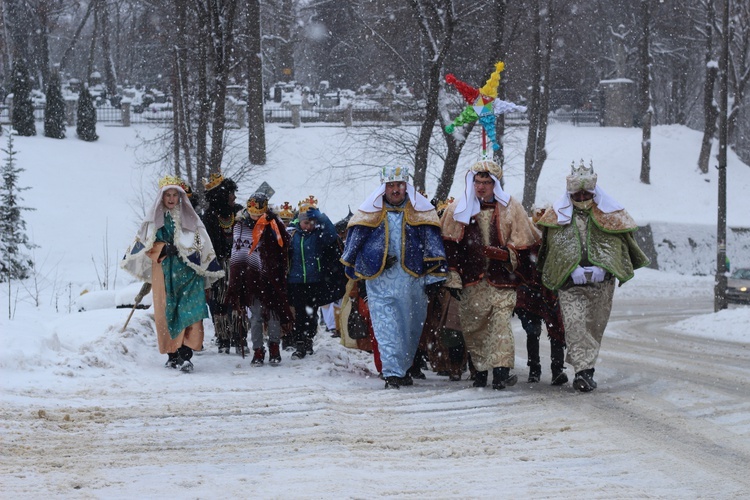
(257, 205)
(286, 211)
(171, 180)
(442, 205)
(213, 181)
(488, 166)
(307, 204)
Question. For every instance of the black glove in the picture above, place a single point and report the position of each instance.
(433, 289)
(455, 293)
(168, 250)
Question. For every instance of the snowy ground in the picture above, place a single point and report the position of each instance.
(89, 412)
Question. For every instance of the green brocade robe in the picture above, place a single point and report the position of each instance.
(184, 288)
(609, 241)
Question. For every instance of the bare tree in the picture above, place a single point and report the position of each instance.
(256, 124)
(437, 22)
(221, 16)
(710, 110)
(646, 106)
(536, 154)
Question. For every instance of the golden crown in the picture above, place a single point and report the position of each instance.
(442, 205)
(171, 180)
(213, 181)
(286, 210)
(308, 203)
(257, 207)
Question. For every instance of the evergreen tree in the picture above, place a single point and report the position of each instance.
(15, 263)
(23, 108)
(54, 113)
(86, 128)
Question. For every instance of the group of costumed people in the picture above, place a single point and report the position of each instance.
(254, 269)
(479, 262)
(471, 263)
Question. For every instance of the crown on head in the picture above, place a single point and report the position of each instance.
(442, 205)
(171, 180)
(307, 204)
(286, 210)
(488, 166)
(213, 181)
(582, 178)
(257, 205)
(394, 174)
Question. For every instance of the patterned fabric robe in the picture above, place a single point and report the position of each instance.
(396, 294)
(592, 238)
(489, 295)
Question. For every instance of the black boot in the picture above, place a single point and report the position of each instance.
(184, 353)
(309, 346)
(393, 382)
(480, 379)
(557, 354)
(223, 346)
(172, 358)
(535, 373)
(502, 378)
(455, 358)
(584, 381)
(301, 352)
(274, 353)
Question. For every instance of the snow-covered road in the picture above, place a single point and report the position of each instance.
(671, 419)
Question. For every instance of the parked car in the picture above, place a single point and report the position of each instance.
(738, 286)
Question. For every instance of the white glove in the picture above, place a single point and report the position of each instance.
(597, 274)
(578, 276)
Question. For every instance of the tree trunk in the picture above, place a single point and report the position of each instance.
(710, 112)
(76, 36)
(180, 93)
(499, 12)
(436, 21)
(42, 43)
(204, 102)
(451, 162)
(532, 165)
(222, 25)
(255, 118)
(110, 76)
(92, 46)
(645, 91)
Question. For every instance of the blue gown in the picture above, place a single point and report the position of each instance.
(398, 306)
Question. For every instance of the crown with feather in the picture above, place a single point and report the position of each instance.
(582, 178)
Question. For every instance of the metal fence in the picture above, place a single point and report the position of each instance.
(275, 113)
